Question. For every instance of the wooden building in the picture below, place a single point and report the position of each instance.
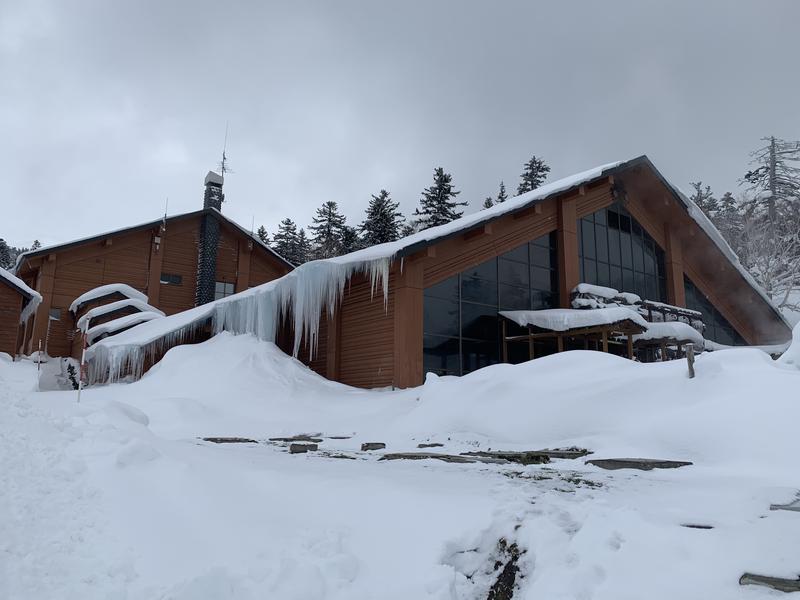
(177, 262)
(622, 226)
(17, 305)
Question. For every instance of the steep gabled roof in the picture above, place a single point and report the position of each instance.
(43, 251)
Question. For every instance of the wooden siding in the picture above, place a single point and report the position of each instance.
(10, 308)
(179, 249)
(366, 340)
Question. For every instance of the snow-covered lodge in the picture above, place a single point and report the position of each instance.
(128, 276)
(454, 298)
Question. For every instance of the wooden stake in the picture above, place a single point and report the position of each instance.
(560, 343)
(630, 346)
(690, 359)
(505, 343)
(605, 340)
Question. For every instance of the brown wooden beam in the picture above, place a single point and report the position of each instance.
(243, 258)
(673, 259)
(408, 315)
(568, 271)
(478, 232)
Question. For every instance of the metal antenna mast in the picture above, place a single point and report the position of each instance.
(223, 166)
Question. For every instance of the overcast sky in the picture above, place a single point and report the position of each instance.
(108, 108)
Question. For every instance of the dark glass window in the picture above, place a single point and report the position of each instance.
(171, 279)
(461, 325)
(621, 254)
(718, 328)
(222, 289)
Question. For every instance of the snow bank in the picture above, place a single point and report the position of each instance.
(107, 290)
(104, 309)
(595, 290)
(792, 355)
(564, 319)
(34, 297)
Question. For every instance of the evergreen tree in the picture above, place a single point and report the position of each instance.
(383, 221)
(407, 229)
(351, 241)
(6, 261)
(263, 235)
(303, 247)
(501, 195)
(534, 174)
(327, 230)
(285, 241)
(438, 205)
(36, 245)
(704, 199)
(488, 203)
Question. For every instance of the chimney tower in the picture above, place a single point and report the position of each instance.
(209, 240)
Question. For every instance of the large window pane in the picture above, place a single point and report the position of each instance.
(440, 355)
(541, 256)
(485, 270)
(601, 241)
(541, 300)
(440, 317)
(478, 290)
(603, 274)
(513, 272)
(514, 298)
(541, 278)
(478, 354)
(478, 321)
(625, 250)
(589, 271)
(587, 234)
(447, 289)
(519, 254)
(638, 248)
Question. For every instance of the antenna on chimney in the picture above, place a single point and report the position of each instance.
(164, 220)
(223, 165)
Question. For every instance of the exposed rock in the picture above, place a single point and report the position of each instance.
(524, 458)
(451, 458)
(303, 437)
(568, 453)
(793, 506)
(505, 584)
(776, 583)
(696, 526)
(642, 464)
(430, 445)
(229, 440)
(301, 448)
(339, 437)
(372, 446)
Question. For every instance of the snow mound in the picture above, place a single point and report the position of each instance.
(792, 355)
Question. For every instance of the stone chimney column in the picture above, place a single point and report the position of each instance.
(209, 240)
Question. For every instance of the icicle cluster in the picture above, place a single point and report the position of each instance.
(301, 296)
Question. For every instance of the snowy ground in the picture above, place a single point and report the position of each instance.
(118, 498)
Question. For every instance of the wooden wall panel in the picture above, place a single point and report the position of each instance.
(10, 309)
(264, 268)
(180, 258)
(227, 256)
(366, 343)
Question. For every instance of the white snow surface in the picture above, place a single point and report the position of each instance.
(116, 497)
(676, 330)
(595, 290)
(107, 290)
(35, 297)
(564, 319)
(116, 324)
(104, 309)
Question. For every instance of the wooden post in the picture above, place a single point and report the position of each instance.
(505, 343)
(586, 342)
(605, 340)
(630, 346)
(673, 257)
(663, 351)
(530, 345)
(567, 234)
(690, 359)
(560, 343)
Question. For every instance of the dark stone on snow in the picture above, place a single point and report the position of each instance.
(793, 506)
(451, 458)
(523, 458)
(430, 445)
(229, 440)
(372, 446)
(297, 438)
(568, 453)
(301, 448)
(642, 464)
(505, 584)
(696, 526)
(776, 583)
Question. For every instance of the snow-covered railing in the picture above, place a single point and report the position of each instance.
(120, 324)
(104, 309)
(104, 291)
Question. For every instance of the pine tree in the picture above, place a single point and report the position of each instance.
(501, 195)
(409, 228)
(36, 245)
(383, 221)
(327, 229)
(534, 174)
(6, 261)
(351, 241)
(285, 241)
(438, 205)
(488, 203)
(263, 235)
(303, 247)
(704, 199)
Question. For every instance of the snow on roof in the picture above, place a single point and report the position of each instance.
(53, 247)
(564, 319)
(595, 290)
(671, 330)
(121, 323)
(103, 309)
(107, 290)
(34, 298)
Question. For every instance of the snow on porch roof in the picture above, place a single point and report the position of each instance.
(565, 319)
(33, 297)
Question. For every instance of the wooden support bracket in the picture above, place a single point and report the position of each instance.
(478, 231)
